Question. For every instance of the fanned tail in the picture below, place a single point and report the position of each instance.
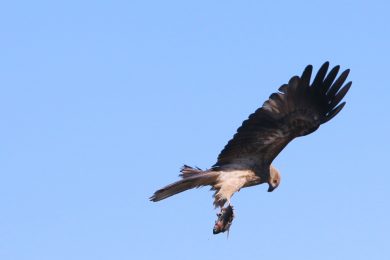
(192, 178)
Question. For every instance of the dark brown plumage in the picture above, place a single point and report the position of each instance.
(297, 110)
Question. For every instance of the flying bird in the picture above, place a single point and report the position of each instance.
(298, 109)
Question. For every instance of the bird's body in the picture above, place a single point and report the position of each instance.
(297, 110)
(224, 182)
(229, 182)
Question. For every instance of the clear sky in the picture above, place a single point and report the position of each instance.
(101, 102)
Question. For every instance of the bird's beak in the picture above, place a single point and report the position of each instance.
(271, 188)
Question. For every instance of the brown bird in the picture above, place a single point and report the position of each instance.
(298, 109)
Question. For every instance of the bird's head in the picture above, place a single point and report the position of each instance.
(274, 178)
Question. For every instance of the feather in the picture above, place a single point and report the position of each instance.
(338, 84)
(330, 78)
(306, 75)
(333, 113)
(319, 79)
(340, 95)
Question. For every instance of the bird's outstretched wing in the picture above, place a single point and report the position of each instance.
(297, 110)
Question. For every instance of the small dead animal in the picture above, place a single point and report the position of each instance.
(224, 220)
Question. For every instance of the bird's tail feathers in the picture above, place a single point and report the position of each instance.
(188, 171)
(192, 178)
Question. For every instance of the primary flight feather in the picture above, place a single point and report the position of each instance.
(298, 109)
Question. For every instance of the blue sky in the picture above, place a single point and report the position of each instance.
(101, 102)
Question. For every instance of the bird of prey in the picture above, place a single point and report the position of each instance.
(298, 109)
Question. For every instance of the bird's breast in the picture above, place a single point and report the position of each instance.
(237, 179)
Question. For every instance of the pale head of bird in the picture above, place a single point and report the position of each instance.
(274, 178)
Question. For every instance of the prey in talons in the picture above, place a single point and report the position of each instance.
(224, 220)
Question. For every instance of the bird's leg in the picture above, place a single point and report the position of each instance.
(222, 207)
